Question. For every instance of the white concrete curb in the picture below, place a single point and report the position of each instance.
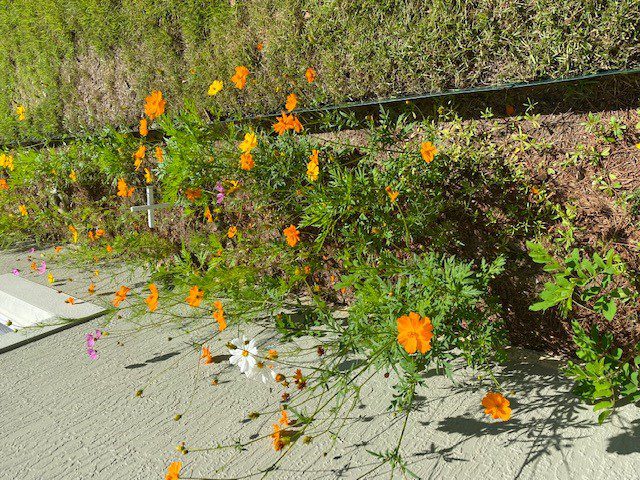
(37, 310)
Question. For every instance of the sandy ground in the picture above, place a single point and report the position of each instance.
(64, 416)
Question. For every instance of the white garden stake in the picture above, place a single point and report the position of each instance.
(150, 207)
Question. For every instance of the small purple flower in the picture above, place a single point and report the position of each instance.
(220, 189)
(42, 268)
(97, 335)
(91, 341)
(32, 250)
(93, 354)
(16, 272)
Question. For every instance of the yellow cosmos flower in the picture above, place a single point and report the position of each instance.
(249, 143)
(20, 112)
(215, 87)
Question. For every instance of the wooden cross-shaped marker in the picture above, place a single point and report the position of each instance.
(150, 207)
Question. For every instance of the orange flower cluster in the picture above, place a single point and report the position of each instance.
(95, 235)
(74, 233)
(415, 333)
(278, 443)
(246, 161)
(218, 315)
(292, 102)
(310, 75)
(207, 214)
(3, 184)
(393, 194)
(292, 234)
(138, 156)
(154, 105)
(497, 406)
(239, 78)
(287, 122)
(195, 296)
(143, 129)
(121, 296)
(428, 151)
(152, 299)
(193, 194)
(206, 356)
(173, 472)
(124, 190)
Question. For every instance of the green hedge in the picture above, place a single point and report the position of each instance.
(83, 63)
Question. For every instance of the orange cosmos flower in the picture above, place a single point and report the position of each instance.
(287, 122)
(414, 333)
(497, 406)
(154, 104)
(124, 190)
(173, 472)
(292, 102)
(148, 176)
(292, 235)
(232, 231)
(70, 301)
(92, 288)
(143, 129)
(218, 315)
(193, 194)
(3, 184)
(428, 151)
(310, 75)
(278, 443)
(73, 176)
(121, 296)
(159, 155)
(109, 248)
(259, 46)
(152, 299)
(284, 419)
(206, 355)
(74, 233)
(139, 156)
(195, 296)
(207, 214)
(392, 194)
(58, 249)
(23, 210)
(240, 77)
(272, 354)
(246, 161)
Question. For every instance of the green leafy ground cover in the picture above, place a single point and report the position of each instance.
(79, 65)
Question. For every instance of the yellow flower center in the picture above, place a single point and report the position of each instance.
(245, 353)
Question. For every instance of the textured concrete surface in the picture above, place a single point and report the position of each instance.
(64, 416)
(29, 304)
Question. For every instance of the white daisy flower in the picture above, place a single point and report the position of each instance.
(263, 372)
(243, 355)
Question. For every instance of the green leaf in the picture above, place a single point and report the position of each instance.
(604, 404)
